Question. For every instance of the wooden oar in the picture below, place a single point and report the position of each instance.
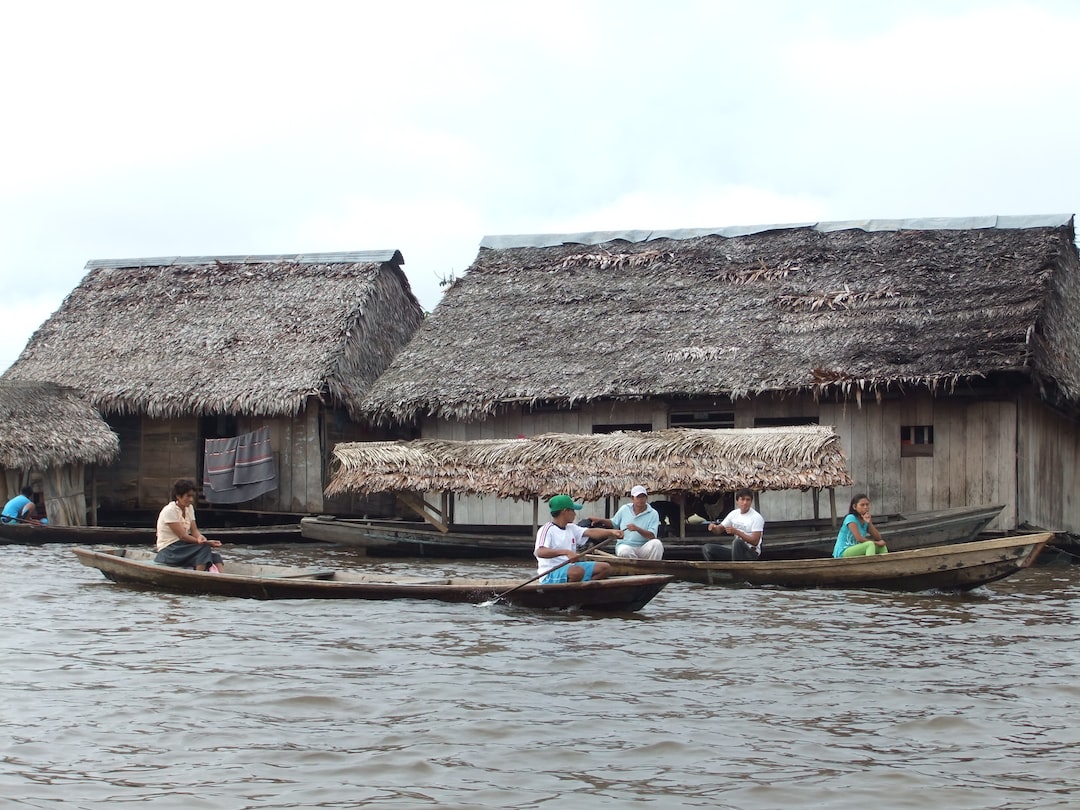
(504, 594)
(27, 521)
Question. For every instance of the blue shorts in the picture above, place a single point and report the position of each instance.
(559, 575)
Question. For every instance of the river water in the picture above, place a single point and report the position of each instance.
(709, 697)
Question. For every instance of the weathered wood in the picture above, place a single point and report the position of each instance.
(962, 566)
(135, 567)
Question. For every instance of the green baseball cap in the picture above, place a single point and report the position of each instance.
(560, 502)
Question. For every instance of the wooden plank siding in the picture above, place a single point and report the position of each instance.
(169, 450)
(1048, 470)
(156, 452)
(973, 459)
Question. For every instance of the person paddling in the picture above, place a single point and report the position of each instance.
(557, 544)
(21, 508)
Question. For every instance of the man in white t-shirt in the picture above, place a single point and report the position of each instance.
(746, 526)
(557, 543)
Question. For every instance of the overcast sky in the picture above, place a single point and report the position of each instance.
(149, 129)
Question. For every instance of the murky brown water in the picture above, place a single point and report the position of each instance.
(710, 697)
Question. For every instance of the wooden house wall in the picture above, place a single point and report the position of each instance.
(296, 442)
(973, 461)
(156, 452)
(974, 457)
(169, 450)
(338, 427)
(1049, 452)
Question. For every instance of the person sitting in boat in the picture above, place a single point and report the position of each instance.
(859, 536)
(640, 525)
(745, 524)
(179, 541)
(22, 509)
(556, 551)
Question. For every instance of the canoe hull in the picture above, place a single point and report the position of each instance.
(135, 567)
(386, 538)
(961, 566)
(33, 535)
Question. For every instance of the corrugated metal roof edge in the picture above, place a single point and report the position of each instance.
(354, 257)
(499, 242)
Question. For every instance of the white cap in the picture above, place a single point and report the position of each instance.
(638, 490)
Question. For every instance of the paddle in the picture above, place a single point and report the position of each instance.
(504, 594)
(27, 521)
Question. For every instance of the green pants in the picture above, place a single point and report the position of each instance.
(866, 549)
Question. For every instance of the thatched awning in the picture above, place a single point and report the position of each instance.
(44, 425)
(597, 465)
(253, 335)
(839, 309)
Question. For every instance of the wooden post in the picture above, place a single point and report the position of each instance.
(93, 495)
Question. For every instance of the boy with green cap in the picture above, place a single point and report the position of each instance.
(557, 545)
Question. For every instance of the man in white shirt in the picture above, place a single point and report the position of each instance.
(746, 526)
(557, 541)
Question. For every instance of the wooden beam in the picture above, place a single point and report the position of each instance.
(427, 511)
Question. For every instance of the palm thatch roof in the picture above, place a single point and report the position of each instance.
(254, 335)
(45, 425)
(843, 308)
(592, 466)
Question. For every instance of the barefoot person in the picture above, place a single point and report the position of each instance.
(179, 541)
(557, 543)
(859, 536)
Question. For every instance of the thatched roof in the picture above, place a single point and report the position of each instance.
(843, 308)
(45, 425)
(592, 466)
(253, 335)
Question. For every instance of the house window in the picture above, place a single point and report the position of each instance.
(702, 419)
(917, 440)
(784, 421)
(626, 426)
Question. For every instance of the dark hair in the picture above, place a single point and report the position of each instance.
(745, 492)
(855, 500)
(182, 487)
(27, 491)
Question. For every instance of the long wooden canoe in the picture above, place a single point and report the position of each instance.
(961, 566)
(130, 566)
(390, 538)
(31, 534)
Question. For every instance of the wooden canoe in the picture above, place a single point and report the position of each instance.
(960, 566)
(400, 538)
(30, 534)
(130, 566)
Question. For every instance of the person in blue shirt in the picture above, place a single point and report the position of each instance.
(640, 525)
(21, 508)
(859, 536)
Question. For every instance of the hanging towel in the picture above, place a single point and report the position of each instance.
(240, 468)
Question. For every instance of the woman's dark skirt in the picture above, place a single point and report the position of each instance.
(187, 555)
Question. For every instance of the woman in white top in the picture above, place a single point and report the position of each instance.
(179, 541)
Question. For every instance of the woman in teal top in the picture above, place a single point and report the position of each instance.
(859, 536)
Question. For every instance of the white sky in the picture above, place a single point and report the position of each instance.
(140, 129)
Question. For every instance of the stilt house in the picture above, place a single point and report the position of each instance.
(48, 436)
(176, 351)
(945, 352)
